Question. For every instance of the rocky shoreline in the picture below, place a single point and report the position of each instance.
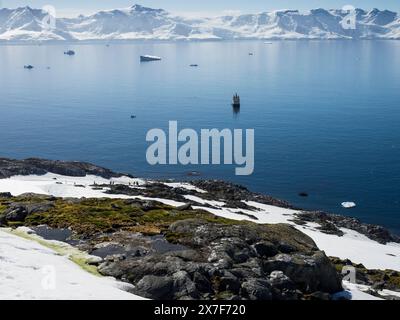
(36, 166)
(232, 194)
(169, 252)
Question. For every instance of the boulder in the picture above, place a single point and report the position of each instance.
(155, 287)
(309, 273)
(12, 167)
(18, 211)
(257, 289)
(5, 195)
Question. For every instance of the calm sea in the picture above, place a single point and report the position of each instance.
(326, 114)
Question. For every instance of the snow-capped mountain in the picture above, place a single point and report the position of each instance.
(138, 22)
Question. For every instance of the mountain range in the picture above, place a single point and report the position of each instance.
(142, 23)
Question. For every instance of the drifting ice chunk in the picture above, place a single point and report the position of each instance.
(348, 205)
(149, 58)
(70, 53)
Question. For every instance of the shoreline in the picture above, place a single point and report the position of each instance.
(179, 41)
(79, 169)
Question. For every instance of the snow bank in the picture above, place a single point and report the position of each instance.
(203, 201)
(29, 270)
(186, 186)
(63, 186)
(354, 292)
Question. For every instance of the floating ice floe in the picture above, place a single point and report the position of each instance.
(348, 205)
(147, 58)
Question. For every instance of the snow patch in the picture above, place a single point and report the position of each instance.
(186, 186)
(31, 271)
(204, 201)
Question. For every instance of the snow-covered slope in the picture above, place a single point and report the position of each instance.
(138, 22)
(25, 23)
(29, 270)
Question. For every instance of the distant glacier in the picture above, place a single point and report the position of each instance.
(141, 23)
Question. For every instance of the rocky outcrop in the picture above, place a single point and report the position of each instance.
(227, 261)
(11, 167)
(330, 223)
(17, 212)
(234, 194)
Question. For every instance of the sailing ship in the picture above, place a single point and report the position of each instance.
(236, 101)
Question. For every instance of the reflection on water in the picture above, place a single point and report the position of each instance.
(236, 110)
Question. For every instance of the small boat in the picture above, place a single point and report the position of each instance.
(194, 65)
(28, 67)
(251, 53)
(70, 52)
(133, 117)
(236, 101)
(147, 58)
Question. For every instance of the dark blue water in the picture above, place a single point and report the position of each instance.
(326, 114)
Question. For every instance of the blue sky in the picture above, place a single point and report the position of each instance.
(71, 7)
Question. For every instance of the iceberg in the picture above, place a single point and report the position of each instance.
(348, 205)
(70, 52)
(147, 58)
